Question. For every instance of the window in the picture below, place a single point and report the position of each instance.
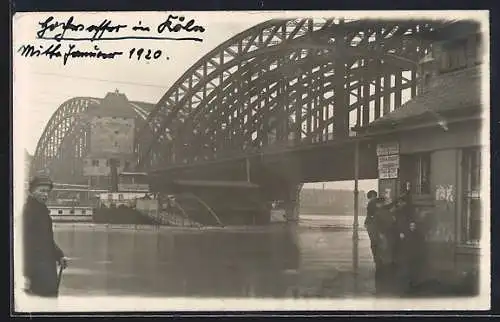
(471, 201)
(95, 163)
(454, 55)
(420, 169)
(120, 197)
(59, 212)
(72, 212)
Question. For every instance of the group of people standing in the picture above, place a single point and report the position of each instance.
(397, 243)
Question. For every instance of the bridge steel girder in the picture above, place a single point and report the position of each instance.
(271, 78)
(328, 161)
(207, 128)
(393, 42)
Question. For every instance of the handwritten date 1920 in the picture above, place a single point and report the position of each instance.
(145, 54)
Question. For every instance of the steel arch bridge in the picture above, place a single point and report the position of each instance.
(66, 137)
(280, 84)
(287, 83)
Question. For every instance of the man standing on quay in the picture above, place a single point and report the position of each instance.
(370, 222)
(41, 253)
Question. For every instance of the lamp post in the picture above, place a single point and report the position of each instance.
(355, 233)
(247, 168)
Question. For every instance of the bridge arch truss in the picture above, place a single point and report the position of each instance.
(285, 82)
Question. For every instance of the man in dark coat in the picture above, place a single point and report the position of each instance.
(370, 222)
(410, 245)
(41, 253)
(385, 267)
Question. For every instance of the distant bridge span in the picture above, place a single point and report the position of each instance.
(66, 137)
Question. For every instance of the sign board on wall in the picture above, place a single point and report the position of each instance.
(388, 173)
(388, 160)
(112, 135)
(387, 148)
(387, 189)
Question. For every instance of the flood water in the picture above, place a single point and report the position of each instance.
(311, 259)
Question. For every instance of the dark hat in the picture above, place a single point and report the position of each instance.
(40, 180)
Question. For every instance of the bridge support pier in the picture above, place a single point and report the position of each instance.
(292, 202)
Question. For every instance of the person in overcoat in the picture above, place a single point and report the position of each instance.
(370, 222)
(410, 246)
(385, 261)
(41, 253)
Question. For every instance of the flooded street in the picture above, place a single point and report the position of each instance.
(312, 259)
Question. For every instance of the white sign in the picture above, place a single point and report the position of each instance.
(388, 166)
(388, 173)
(387, 148)
(388, 161)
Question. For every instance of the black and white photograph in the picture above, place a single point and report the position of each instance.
(251, 161)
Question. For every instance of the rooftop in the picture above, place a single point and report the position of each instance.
(115, 104)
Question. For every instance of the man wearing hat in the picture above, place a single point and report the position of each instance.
(41, 253)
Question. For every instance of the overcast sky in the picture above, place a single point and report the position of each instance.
(42, 85)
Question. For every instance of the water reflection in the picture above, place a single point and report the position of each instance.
(249, 262)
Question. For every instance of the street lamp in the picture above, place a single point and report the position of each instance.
(355, 233)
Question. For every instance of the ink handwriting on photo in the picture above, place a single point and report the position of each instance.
(60, 38)
(52, 29)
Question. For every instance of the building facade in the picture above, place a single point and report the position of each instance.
(432, 147)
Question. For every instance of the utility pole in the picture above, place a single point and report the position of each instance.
(247, 166)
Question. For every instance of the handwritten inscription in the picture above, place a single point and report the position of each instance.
(97, 31)
(54, 51)
(142, 53)
(64, 35)
(51, 29)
